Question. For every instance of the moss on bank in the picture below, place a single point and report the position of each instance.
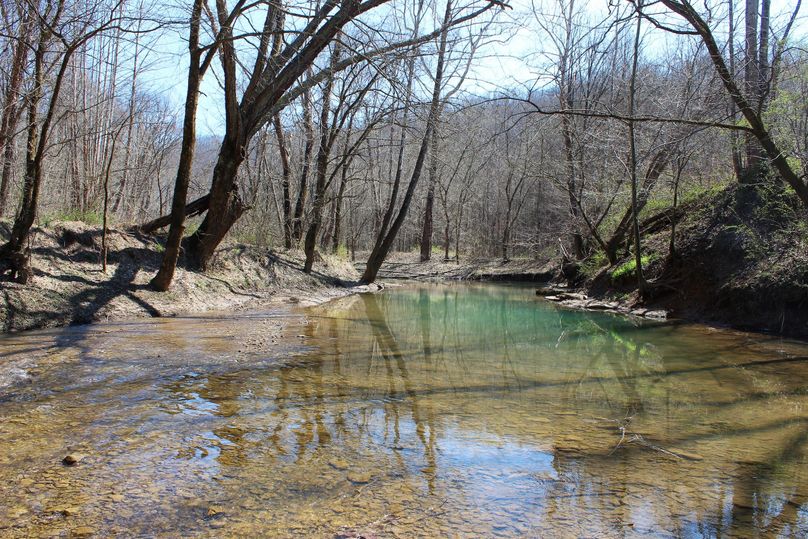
(740, 258)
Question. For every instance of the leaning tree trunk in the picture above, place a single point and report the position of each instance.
(385, 242)
(165, 274)
(778, 157)
(225, 206)
(655, 170)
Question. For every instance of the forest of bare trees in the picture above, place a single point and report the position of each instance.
(363, 127)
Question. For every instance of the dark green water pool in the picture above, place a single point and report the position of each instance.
(423, 411)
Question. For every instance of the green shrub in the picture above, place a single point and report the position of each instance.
(90, 217)
(594, 263)
(629, 268)
(698, 192)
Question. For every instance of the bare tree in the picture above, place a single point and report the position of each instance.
(23, 20)
(385, 238)
(745, 103)
(56, 23)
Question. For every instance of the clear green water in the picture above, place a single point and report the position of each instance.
(426, 411)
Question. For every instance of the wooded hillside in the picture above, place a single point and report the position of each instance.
(364, 127)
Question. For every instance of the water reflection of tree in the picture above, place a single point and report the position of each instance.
(407, 338)
(392, 354)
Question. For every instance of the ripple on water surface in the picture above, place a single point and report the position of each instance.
(432, 410)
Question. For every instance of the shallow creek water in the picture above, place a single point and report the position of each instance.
(469, 410)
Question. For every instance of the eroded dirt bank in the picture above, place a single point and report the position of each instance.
(69, 286)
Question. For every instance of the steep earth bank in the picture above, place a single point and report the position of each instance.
(740, 258)
(69, 286)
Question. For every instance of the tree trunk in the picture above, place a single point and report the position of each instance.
(754, 153)
(285, 181)
(162, 281)
(225, 206)
(323, 154)
(426, 232)
(641, 285)
(302, 192)
(506, 235)
(779, 159)
(15, 254)
(8, 123)
(343, 185)
(735, 138)
(402, 143)
(382, 247)
(119, 195)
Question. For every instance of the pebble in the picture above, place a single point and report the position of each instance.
(65, 511)
(338, 464)
(213, 511)
(359, 478)
(73, 458)
(83, 531)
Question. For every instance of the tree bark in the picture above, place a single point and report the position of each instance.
(303, 189)
(752, 79)
(286, 170)
(632, 90)
(379, 253)
(427, 230)
(162, 280)
(323, 154)
(15, 254)
(8, 123)
(224, 207)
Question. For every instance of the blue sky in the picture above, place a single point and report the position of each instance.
(515, 56)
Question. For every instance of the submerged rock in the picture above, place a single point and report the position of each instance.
(573, 296)
(359, 478)
(214, 511)
(338, 464)
(689, 455)
(73, 458)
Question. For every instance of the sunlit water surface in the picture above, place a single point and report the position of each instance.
(424, 411)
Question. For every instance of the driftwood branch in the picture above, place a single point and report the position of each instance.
(198, 206)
